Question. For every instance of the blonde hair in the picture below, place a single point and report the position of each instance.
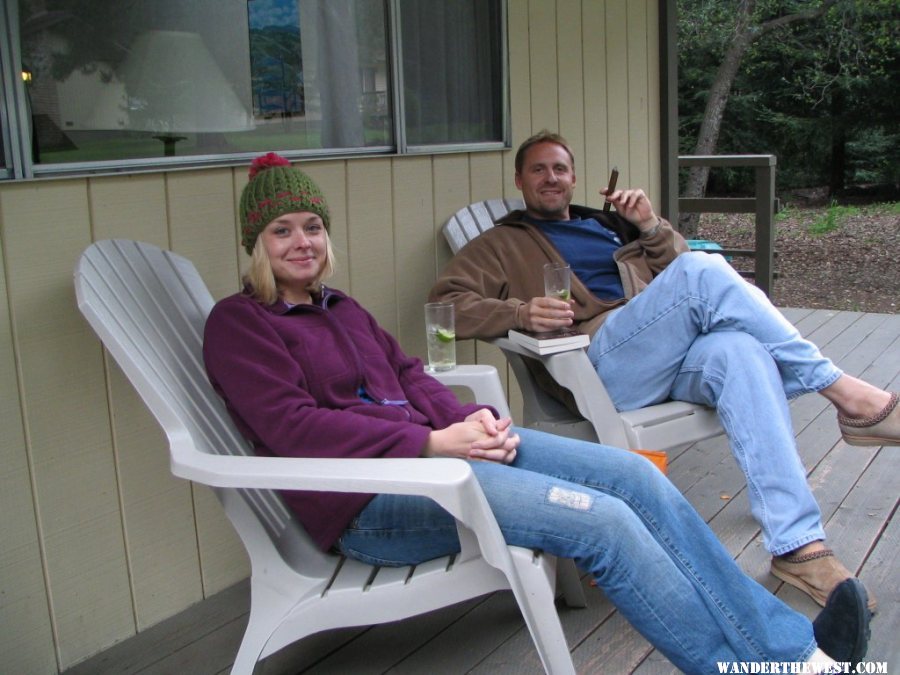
(261, 280)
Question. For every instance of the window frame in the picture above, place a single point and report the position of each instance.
(16, 128)
(15, 163)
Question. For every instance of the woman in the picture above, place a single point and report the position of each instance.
(306, 371)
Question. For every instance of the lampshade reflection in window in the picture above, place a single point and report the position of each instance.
(169, 85)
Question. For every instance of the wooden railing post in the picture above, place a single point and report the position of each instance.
(764, 266)
(763, 205)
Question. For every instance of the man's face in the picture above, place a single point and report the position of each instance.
(547, 181)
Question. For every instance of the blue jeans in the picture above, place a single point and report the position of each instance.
(700, 333)
(620, 519)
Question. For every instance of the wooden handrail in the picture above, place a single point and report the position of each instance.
(763, 205)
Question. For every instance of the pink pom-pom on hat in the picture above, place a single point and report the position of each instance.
(266, 161)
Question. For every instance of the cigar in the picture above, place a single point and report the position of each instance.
(613, 177)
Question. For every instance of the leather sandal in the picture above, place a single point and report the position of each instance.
(880, 429)
(817, 574)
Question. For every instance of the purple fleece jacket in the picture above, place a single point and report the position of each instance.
(292, 378)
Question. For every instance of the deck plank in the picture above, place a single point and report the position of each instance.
(194, 626)
(857, 490)
(386, 645)
(517, 654)
(880, 572)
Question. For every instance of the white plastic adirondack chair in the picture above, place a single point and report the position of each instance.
(658, 427)
(149, 307)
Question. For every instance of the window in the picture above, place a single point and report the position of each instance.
(6, 97)
(452, 71)
(111, 84)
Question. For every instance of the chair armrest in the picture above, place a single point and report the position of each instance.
(389, 475)
(449, 482)
(482, 380)
(573, 370)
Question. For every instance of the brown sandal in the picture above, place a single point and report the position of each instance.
(816, 574)
(880, 429)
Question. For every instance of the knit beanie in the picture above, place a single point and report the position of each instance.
(276, 188)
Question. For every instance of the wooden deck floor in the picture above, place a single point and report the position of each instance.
(857, 489)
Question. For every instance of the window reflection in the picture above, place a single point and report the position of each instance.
(320, 71)
(121, 80)
(110, 80)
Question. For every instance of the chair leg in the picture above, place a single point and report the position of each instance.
(569, 582)
(248, 654)
(536, 602)
(267, 609)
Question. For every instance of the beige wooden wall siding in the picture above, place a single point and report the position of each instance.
(97, 540)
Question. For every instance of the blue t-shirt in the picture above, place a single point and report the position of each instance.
(588, 247)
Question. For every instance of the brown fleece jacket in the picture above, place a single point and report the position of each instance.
(495, 273)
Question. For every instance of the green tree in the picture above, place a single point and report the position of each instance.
(820, 94)
(731, 33)
(830, 101)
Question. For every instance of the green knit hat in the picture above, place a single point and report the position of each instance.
(276, 188)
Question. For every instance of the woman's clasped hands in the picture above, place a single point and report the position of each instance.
(479, 437)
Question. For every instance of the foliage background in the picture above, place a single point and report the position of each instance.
(822, 95)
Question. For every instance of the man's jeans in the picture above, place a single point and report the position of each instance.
(625, 523)
(700, 333)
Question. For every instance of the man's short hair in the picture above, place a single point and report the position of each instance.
(542, 136)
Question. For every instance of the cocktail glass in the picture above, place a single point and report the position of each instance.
(558, 281)
(440, 334)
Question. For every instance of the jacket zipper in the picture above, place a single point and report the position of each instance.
(363, 393)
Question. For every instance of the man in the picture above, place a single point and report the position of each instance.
(665, 324)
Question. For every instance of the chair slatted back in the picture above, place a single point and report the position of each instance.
(472, 220)
(149, 307)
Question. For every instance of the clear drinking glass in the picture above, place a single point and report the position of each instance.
(440, 334)
(557, 281)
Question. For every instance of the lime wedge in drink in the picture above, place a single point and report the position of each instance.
(563, 295)
(445, 335)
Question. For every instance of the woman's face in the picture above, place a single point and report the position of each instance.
(295, 244)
